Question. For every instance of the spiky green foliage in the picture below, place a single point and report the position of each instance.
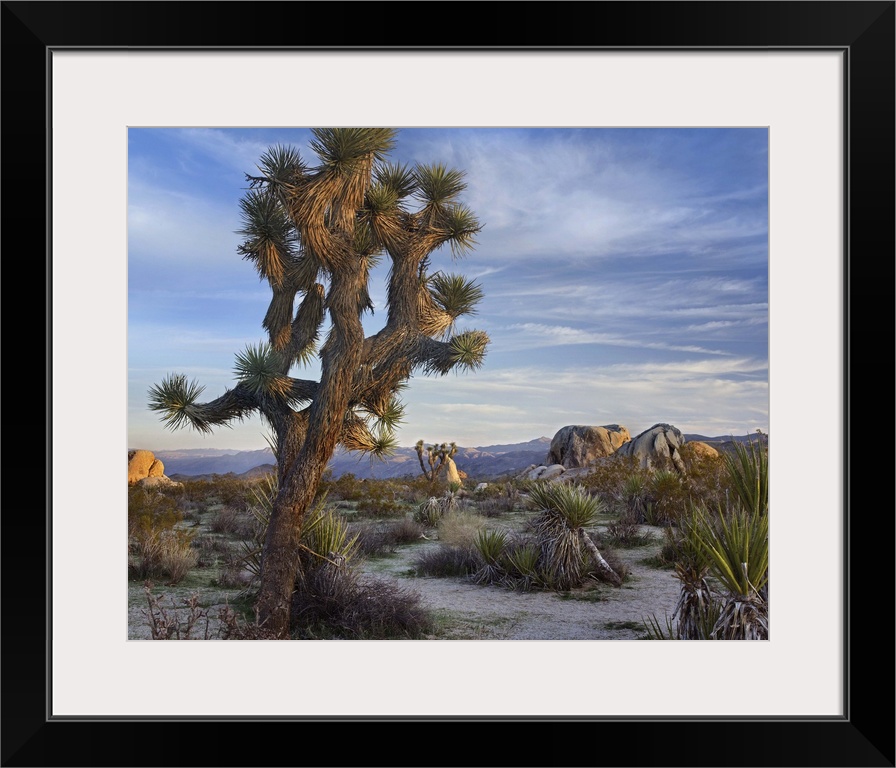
(667, 497)
(455, 294)
(270, 236)
(748, 471)
(397, 177)
(281, 164)
(571, 505)
(430, 511)
(175, 398)
(461, 227)
(491, 544)
(658, 631)
(564, 510)
(634, 496)
(735, 542)
(258, 368)
(326, 537)
(437, 184)
(340, 148)
(468, 349)
(522, 561)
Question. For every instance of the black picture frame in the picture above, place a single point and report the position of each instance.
(864, 736)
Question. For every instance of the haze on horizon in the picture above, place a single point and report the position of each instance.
(625, 279)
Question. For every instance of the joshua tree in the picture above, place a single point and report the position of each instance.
(436, 456)
(314, 233)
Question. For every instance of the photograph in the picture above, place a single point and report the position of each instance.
(464, 383)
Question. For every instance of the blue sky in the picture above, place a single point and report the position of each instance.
(625, 274)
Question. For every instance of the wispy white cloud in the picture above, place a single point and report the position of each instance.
(535, 335)
(624, 272)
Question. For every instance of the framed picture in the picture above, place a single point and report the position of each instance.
(817, 75)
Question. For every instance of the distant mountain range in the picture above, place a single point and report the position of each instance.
(485, 463)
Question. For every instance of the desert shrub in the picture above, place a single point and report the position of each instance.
(706, 477)
(233, 522)
(384, 537)
(406, 531)
(627, 531)
(233, 575)
(232, 491)
(667, 497)
(196, 491)
(374, 505)
(211, 550)
(633, 497)
(346, 487)
(157, 547)
(447, 561)
(460, 527)
(337, 604)
(608, 475)
(669, 552)
(189, 508)
(173, 622)
(497, 499)
(616, 565)
(176, 557)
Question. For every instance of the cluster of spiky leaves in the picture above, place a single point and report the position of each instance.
(748, 472)
(736, 543)
(564, 510)
(490, 543)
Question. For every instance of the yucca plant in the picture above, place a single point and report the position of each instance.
(666, 497)
(747, 470)
(658, 631)
(522, 560)
(736, 544)
(564, 513)
(696, 610)
(491, 544)
(634, 497)
(429, 512)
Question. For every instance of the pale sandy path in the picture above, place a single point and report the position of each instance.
(486, 612)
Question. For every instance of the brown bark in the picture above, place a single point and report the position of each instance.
(299, 482)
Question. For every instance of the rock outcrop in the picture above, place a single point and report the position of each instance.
(701, 450)
(657, 448)
(580, 446)
(452, 474)
(144, 468)
(542, 473)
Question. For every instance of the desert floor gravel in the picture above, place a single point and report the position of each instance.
(468, 611)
